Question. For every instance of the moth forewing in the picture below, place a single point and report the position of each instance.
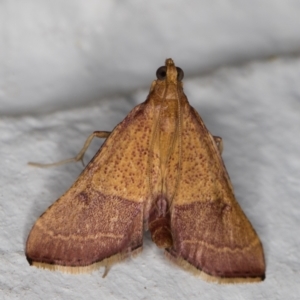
(159, 169)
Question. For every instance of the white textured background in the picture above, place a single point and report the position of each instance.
(68, 68)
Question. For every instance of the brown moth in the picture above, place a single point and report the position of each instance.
(160, 170)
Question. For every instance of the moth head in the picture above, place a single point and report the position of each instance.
(169, 72)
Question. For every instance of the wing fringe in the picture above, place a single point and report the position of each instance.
(107, 262)
(209, 278)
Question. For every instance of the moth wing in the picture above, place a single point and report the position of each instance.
(99, 220)
(211, 235)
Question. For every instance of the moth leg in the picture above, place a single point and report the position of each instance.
(79, 156)
(106, 270)
(219, 142)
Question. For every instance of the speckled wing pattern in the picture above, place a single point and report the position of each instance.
(160, 169)
(99, 220)
(211, 235)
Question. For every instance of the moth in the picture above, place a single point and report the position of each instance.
(161, 170)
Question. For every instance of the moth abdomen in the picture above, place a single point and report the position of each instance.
(159, 224)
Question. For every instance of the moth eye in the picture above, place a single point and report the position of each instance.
(180, 74)
(161, 73)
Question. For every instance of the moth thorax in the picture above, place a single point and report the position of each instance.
(159, 223)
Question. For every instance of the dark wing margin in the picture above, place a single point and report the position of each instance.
(217, 242)
(99, 232)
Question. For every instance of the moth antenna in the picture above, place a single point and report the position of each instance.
(179, 131)
(157, 122)
(170, 151)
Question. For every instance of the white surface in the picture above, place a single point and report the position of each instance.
(58, 54)
(255, 108)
